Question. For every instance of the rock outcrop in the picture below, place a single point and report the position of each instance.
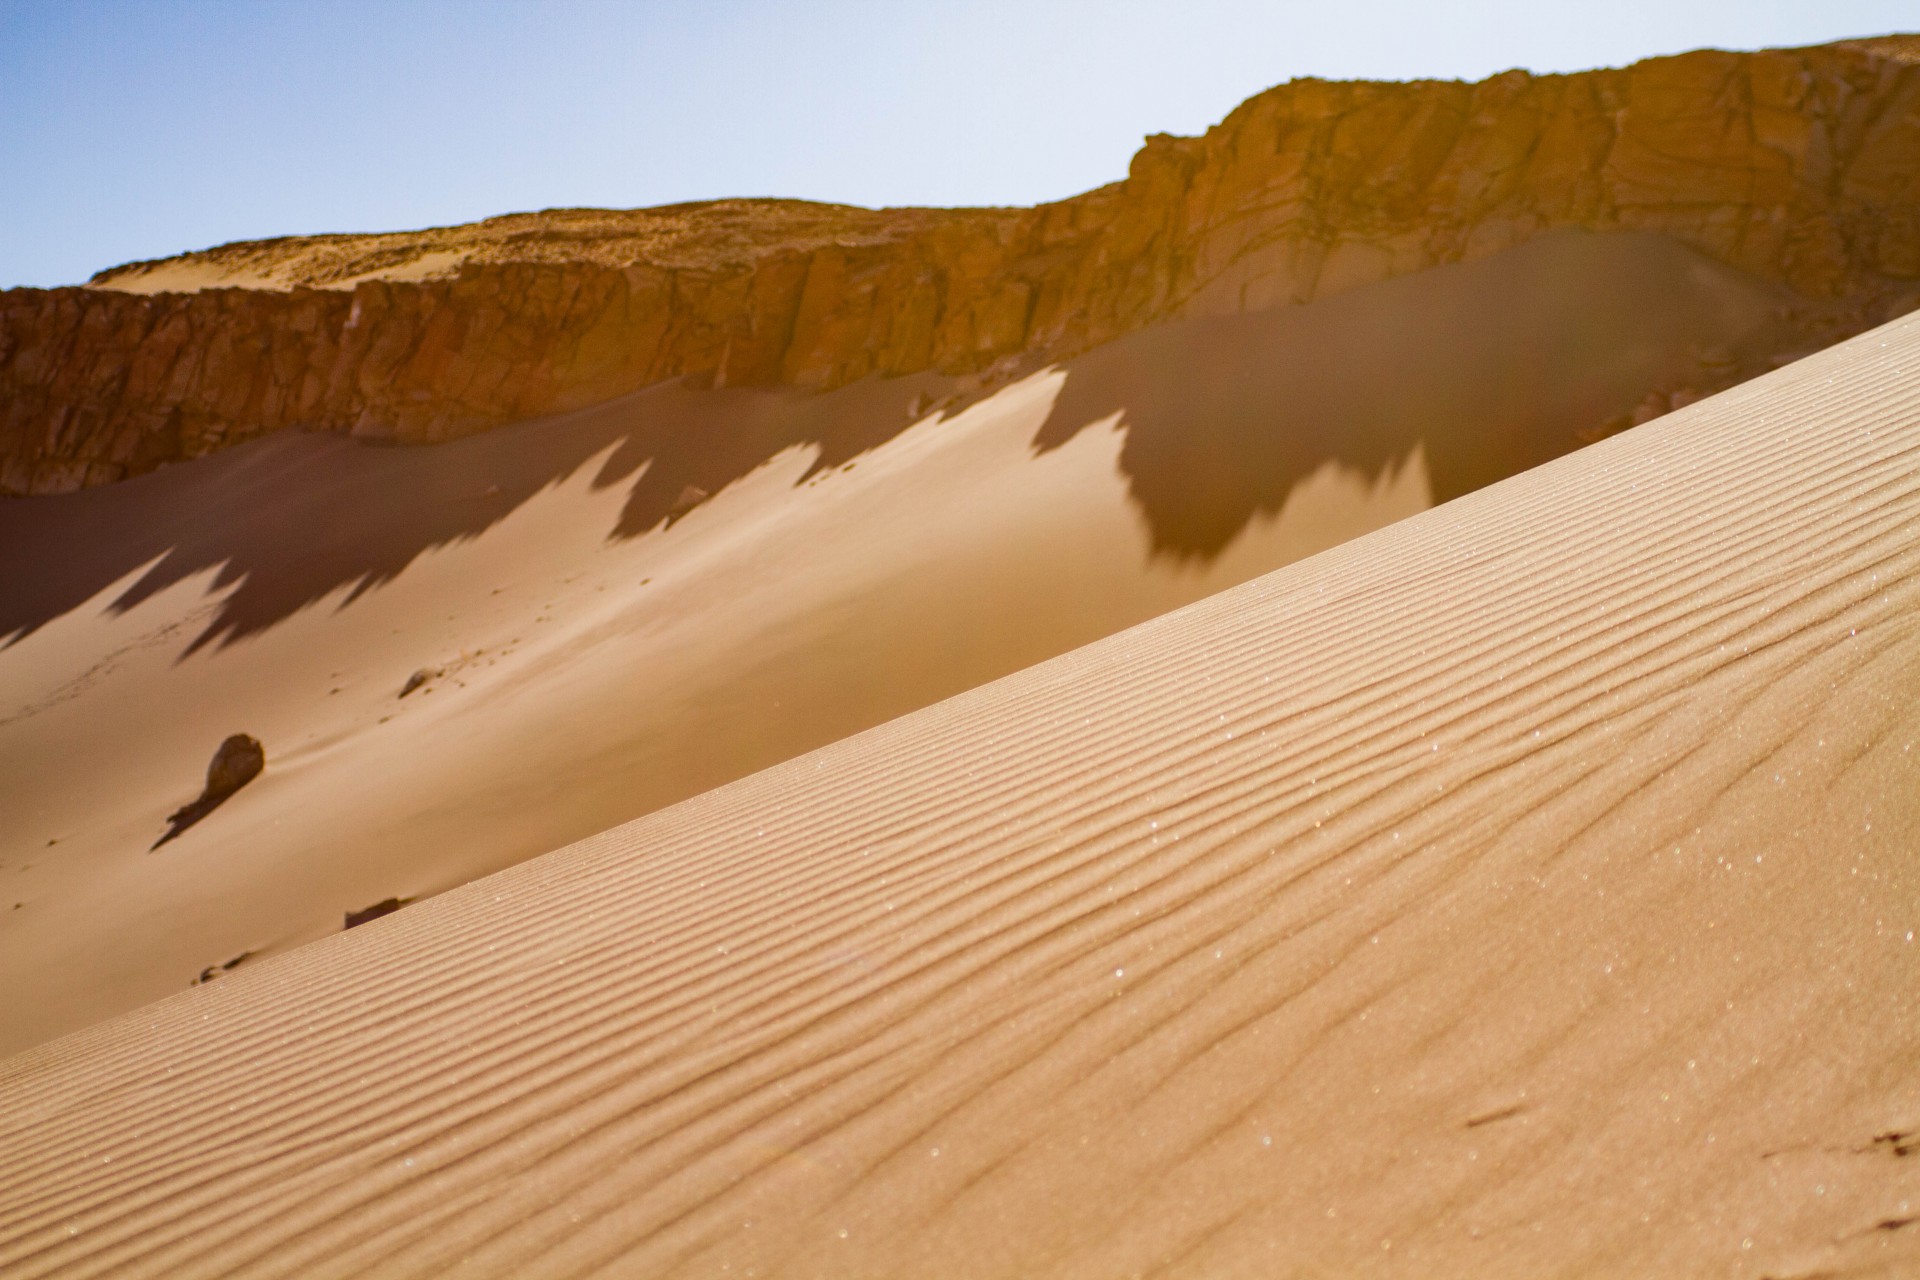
(1799, 166)
(238, 761)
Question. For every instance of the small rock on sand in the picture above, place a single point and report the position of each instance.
(418, 679)
(385, 907)
(238, 761)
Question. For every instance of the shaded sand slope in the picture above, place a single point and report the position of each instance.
(613, 642)
(1525, 889)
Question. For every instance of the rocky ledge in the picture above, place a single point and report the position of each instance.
(1799, 166)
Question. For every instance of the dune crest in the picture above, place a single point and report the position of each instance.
(1525, 888)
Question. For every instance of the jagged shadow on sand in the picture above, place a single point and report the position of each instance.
(285, 521)
(1493, 366)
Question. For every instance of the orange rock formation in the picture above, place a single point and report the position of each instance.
(1798, 166)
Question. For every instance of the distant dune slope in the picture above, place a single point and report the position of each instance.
(628, 606)
(1525, 889)
(1800, 167)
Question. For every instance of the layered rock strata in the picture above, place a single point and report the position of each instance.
(1798, 166)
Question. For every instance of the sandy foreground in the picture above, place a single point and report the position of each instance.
(631, 605)
(1527, 888)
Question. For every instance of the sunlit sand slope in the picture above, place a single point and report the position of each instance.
(1525, 889)
(643, 601)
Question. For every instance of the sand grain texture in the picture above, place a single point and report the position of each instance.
(608, 645)
(1524, 889)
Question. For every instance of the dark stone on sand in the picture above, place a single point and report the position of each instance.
(386, 907)
(238, 762)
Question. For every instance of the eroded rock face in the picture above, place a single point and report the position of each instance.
(1799, 166)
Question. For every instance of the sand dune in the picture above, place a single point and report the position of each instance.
(1523, 889)
(634, 604)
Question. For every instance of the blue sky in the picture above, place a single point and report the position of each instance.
(137, 128)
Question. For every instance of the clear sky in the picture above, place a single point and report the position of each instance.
(138, 128)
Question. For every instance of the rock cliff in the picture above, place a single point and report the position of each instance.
(1801, 167)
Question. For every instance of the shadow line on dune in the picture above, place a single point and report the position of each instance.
(1492, 367)
(284, 522)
